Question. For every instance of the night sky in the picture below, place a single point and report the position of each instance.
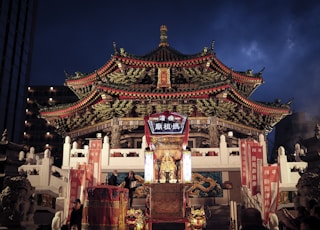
(282, 36)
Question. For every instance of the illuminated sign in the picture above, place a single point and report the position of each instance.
(166, 123)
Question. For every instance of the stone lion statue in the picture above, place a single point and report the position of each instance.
(16, 201)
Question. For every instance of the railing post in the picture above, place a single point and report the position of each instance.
(45, 171)
(66, 153)
(282, 159)
(224, 154)
(105, 153)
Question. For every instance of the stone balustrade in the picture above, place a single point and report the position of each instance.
(46, 176)
(289, 171)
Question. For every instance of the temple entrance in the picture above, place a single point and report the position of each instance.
(167, 168)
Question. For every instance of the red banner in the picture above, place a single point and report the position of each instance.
(95, 146)
(87, 179)
(256, 164)
(246, 147)
(76, 177)
(86, 175)
(270, 193)
(244, 157)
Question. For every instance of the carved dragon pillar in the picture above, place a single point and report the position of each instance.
(213, 132)
(115, 133)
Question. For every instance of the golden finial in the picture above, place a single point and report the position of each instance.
(163, 36)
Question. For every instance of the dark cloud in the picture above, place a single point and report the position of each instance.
(282, 36)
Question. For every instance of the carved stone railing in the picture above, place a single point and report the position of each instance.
(221, 158)
(133, 159)
(289, 171)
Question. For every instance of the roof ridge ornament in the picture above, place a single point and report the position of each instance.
(163, 36)
(115, 48)
(212, 45)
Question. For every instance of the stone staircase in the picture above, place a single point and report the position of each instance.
(218, 217)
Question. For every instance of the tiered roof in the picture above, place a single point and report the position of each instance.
(197, 85)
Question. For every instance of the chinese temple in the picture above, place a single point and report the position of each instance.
(114, 99)
(150, 114)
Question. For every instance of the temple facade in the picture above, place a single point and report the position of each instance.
(209, 99)
(114, 99)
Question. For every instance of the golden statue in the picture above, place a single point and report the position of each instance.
(168, 169)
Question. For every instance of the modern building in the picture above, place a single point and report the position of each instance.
(17, 24)
(291, 130)
(39, 133)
